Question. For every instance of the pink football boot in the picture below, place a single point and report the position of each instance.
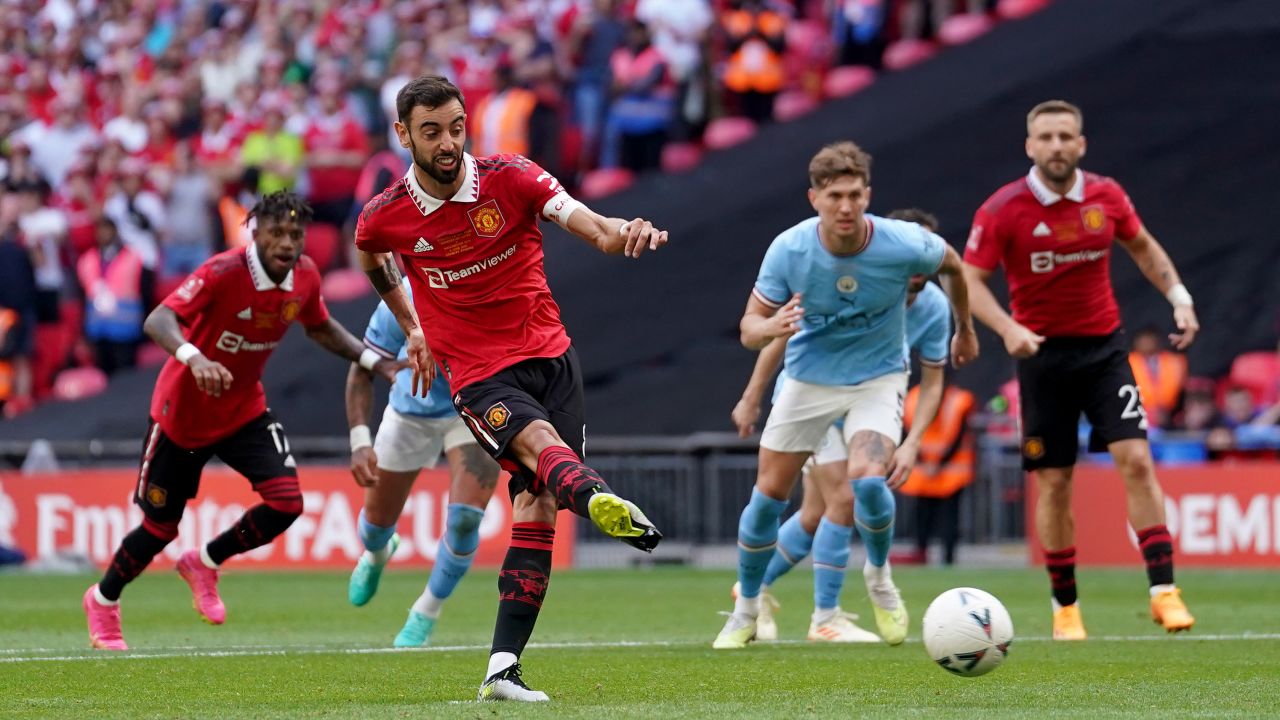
(204, 587)
(104, 622)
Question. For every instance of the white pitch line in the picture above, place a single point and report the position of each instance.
(259, 651)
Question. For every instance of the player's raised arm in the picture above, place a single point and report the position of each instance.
(761, 322)
(1155, 264)
(747, 411)
(385, 276)
(964, 346)
(611, 235)
(331, 336)
(163, 327)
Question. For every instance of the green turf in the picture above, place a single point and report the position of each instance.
(322, 669)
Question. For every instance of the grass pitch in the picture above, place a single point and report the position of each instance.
(627, 644)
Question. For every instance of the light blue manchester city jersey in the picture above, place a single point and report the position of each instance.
(855, 306)
(929, 325)
(385, 336)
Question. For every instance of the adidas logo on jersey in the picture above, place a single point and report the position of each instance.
(422, 246)
(245, 314)
(1041, 230)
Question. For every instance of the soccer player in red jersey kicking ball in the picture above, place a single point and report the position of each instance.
(220, 326)
(1053, 232)
(466, 229)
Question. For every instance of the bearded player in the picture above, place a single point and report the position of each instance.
(466, 230)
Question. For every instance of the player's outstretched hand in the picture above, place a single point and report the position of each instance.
(901, 464)
(964, 347)
(786, 322)
(364, 466)
(1184, 316)
(387, 369)
(641, 234)
(424, 366)
(744, 415)
(1021, 342)
(211, 377)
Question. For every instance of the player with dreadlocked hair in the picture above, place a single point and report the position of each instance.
(220, 327)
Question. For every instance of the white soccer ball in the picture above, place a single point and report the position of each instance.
(967, 631)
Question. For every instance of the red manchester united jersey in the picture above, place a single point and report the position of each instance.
(236, 315)
(475, 263)
(1056, 251)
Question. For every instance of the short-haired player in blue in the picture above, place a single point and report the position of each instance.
(413, 433)
(826, 494)
(845, 357)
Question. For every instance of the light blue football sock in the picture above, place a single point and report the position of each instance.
(374, 537)
(757, 536)
(456, 549)
(830, 558)
(873, 510)
(793, 546)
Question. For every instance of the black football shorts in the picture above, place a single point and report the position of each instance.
(1070, 376)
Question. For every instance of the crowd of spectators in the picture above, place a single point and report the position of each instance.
(134, 134)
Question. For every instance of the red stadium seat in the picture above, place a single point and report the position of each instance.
(1260, 373)
(963, 28)
(847, 80)
(605, 181)
(808, 54)
(793, 104)
(680, 157)
(726, 132)
(344, 284)
(323, 243)
(79, 383)
(166, 285)
(905, 53)
(1014, 9)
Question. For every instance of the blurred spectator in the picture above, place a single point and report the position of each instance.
(859, 30)
(1160, 374)
(640, 113)
(1237, 408)
(336, 148)
(191, 196)
(78, 203)
(17, 311)
(128, 128)
(1199, 409)
(217, 147)
(138, 213)
(117, 288)
(43, 230)
(272, 155)
(756, 39)
(943, 469)
(500, 122)
(56, 145)
(596, 34)
(679, 30)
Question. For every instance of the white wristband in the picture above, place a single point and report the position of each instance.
(1179, 295)
(185, 352)
(360, 437)
(369, 358)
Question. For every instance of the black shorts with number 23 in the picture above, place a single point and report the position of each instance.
(1070, 376)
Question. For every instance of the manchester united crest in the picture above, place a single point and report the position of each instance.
(1033, 448)
(156, 495)
(497, 415)
(1093, 218)
(289, 311)
(487, 219)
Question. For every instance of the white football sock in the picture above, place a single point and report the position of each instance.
(1157, 589)
(821, 615)
(428, 604)
(747, 607)
(99, 598)
(500, 661)
(204, 558)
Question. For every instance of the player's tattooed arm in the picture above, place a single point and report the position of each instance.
(383, 266)
(1155, 264)
(163, 327)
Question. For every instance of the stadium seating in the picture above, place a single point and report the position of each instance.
(79, 383)
(726, 132)
(845, 81)
(1259, 372)
(963, 28)
(345, 284)
(906, 53)
(605, 181)
(680, 157)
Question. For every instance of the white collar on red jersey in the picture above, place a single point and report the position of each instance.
(469, 191)
(1048, 197)
(261, 280)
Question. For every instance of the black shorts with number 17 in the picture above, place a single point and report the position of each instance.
(1070, 376)
(497, 408)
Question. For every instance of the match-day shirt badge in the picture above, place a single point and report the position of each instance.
(487, 219)
(497, 415)
(1094, 218)
(289, 311)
